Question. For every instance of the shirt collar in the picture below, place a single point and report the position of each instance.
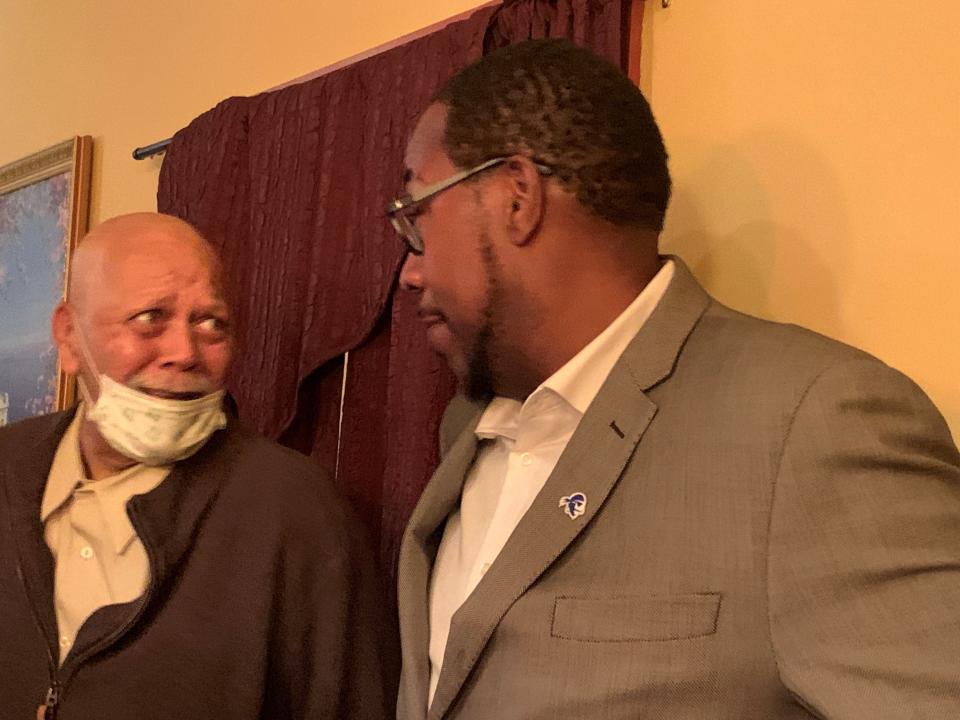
(579, 380)
(68, 477)
(500, 419)
(66, 472)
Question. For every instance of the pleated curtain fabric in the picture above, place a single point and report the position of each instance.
(290, 186)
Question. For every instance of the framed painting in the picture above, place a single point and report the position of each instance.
(44, 202)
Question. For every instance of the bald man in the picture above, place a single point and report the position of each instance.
(157, 559)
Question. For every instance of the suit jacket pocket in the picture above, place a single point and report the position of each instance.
(636, 618)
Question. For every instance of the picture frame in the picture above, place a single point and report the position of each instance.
(44, 211)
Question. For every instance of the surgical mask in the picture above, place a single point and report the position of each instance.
(151, 430)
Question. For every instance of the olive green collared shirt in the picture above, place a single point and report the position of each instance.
(99, 557)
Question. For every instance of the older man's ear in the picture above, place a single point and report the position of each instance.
(62, 325)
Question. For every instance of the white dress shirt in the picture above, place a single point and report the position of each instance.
(523, 443)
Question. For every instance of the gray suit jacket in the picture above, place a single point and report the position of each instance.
(772, 530)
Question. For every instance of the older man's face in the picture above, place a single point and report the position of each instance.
(153, 316)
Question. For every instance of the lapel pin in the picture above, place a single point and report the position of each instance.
(574, 505)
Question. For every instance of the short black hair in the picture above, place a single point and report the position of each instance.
(565, 107)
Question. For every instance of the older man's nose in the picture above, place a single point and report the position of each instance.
(179, 348)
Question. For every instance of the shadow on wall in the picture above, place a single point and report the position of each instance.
(763, 225)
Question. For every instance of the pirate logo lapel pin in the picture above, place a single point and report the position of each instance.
(574, 505)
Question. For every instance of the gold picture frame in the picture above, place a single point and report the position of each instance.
(44, 211)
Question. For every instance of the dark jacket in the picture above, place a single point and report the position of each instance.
(262, 601)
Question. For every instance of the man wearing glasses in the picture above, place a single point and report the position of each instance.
(649, 505)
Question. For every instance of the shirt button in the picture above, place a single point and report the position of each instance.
(526, 458)
(483, 570)
(64, 641)
(86, 553)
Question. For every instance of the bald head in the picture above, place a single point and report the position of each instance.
(145, 307)
(120, 244)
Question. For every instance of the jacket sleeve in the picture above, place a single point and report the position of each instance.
(864, 557)
(335, 650)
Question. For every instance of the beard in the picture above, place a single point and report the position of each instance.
(479, 383)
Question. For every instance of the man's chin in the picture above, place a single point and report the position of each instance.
(443, 343)
(441, 339)
(472, 369)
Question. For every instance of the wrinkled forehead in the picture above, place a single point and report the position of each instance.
(161, 270)
(191, 263)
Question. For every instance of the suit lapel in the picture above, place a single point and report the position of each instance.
(545, 530)
(591, 465)
(418, 550)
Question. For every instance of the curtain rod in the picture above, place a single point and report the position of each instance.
(141, 153)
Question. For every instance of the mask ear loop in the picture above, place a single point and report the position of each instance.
(85, 352)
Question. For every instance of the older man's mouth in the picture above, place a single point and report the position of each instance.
(170, 394)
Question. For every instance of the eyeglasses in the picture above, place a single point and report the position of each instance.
(403, 211)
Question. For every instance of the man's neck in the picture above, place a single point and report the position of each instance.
(578, 315)
(99, 459)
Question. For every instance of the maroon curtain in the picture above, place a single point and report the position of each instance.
(601, 25)
(290, 185)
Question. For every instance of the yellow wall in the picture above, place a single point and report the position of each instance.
(815, 146)
(129, 72)
(815, 149)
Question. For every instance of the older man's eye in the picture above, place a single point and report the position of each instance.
(212, 325)
(148, 317)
